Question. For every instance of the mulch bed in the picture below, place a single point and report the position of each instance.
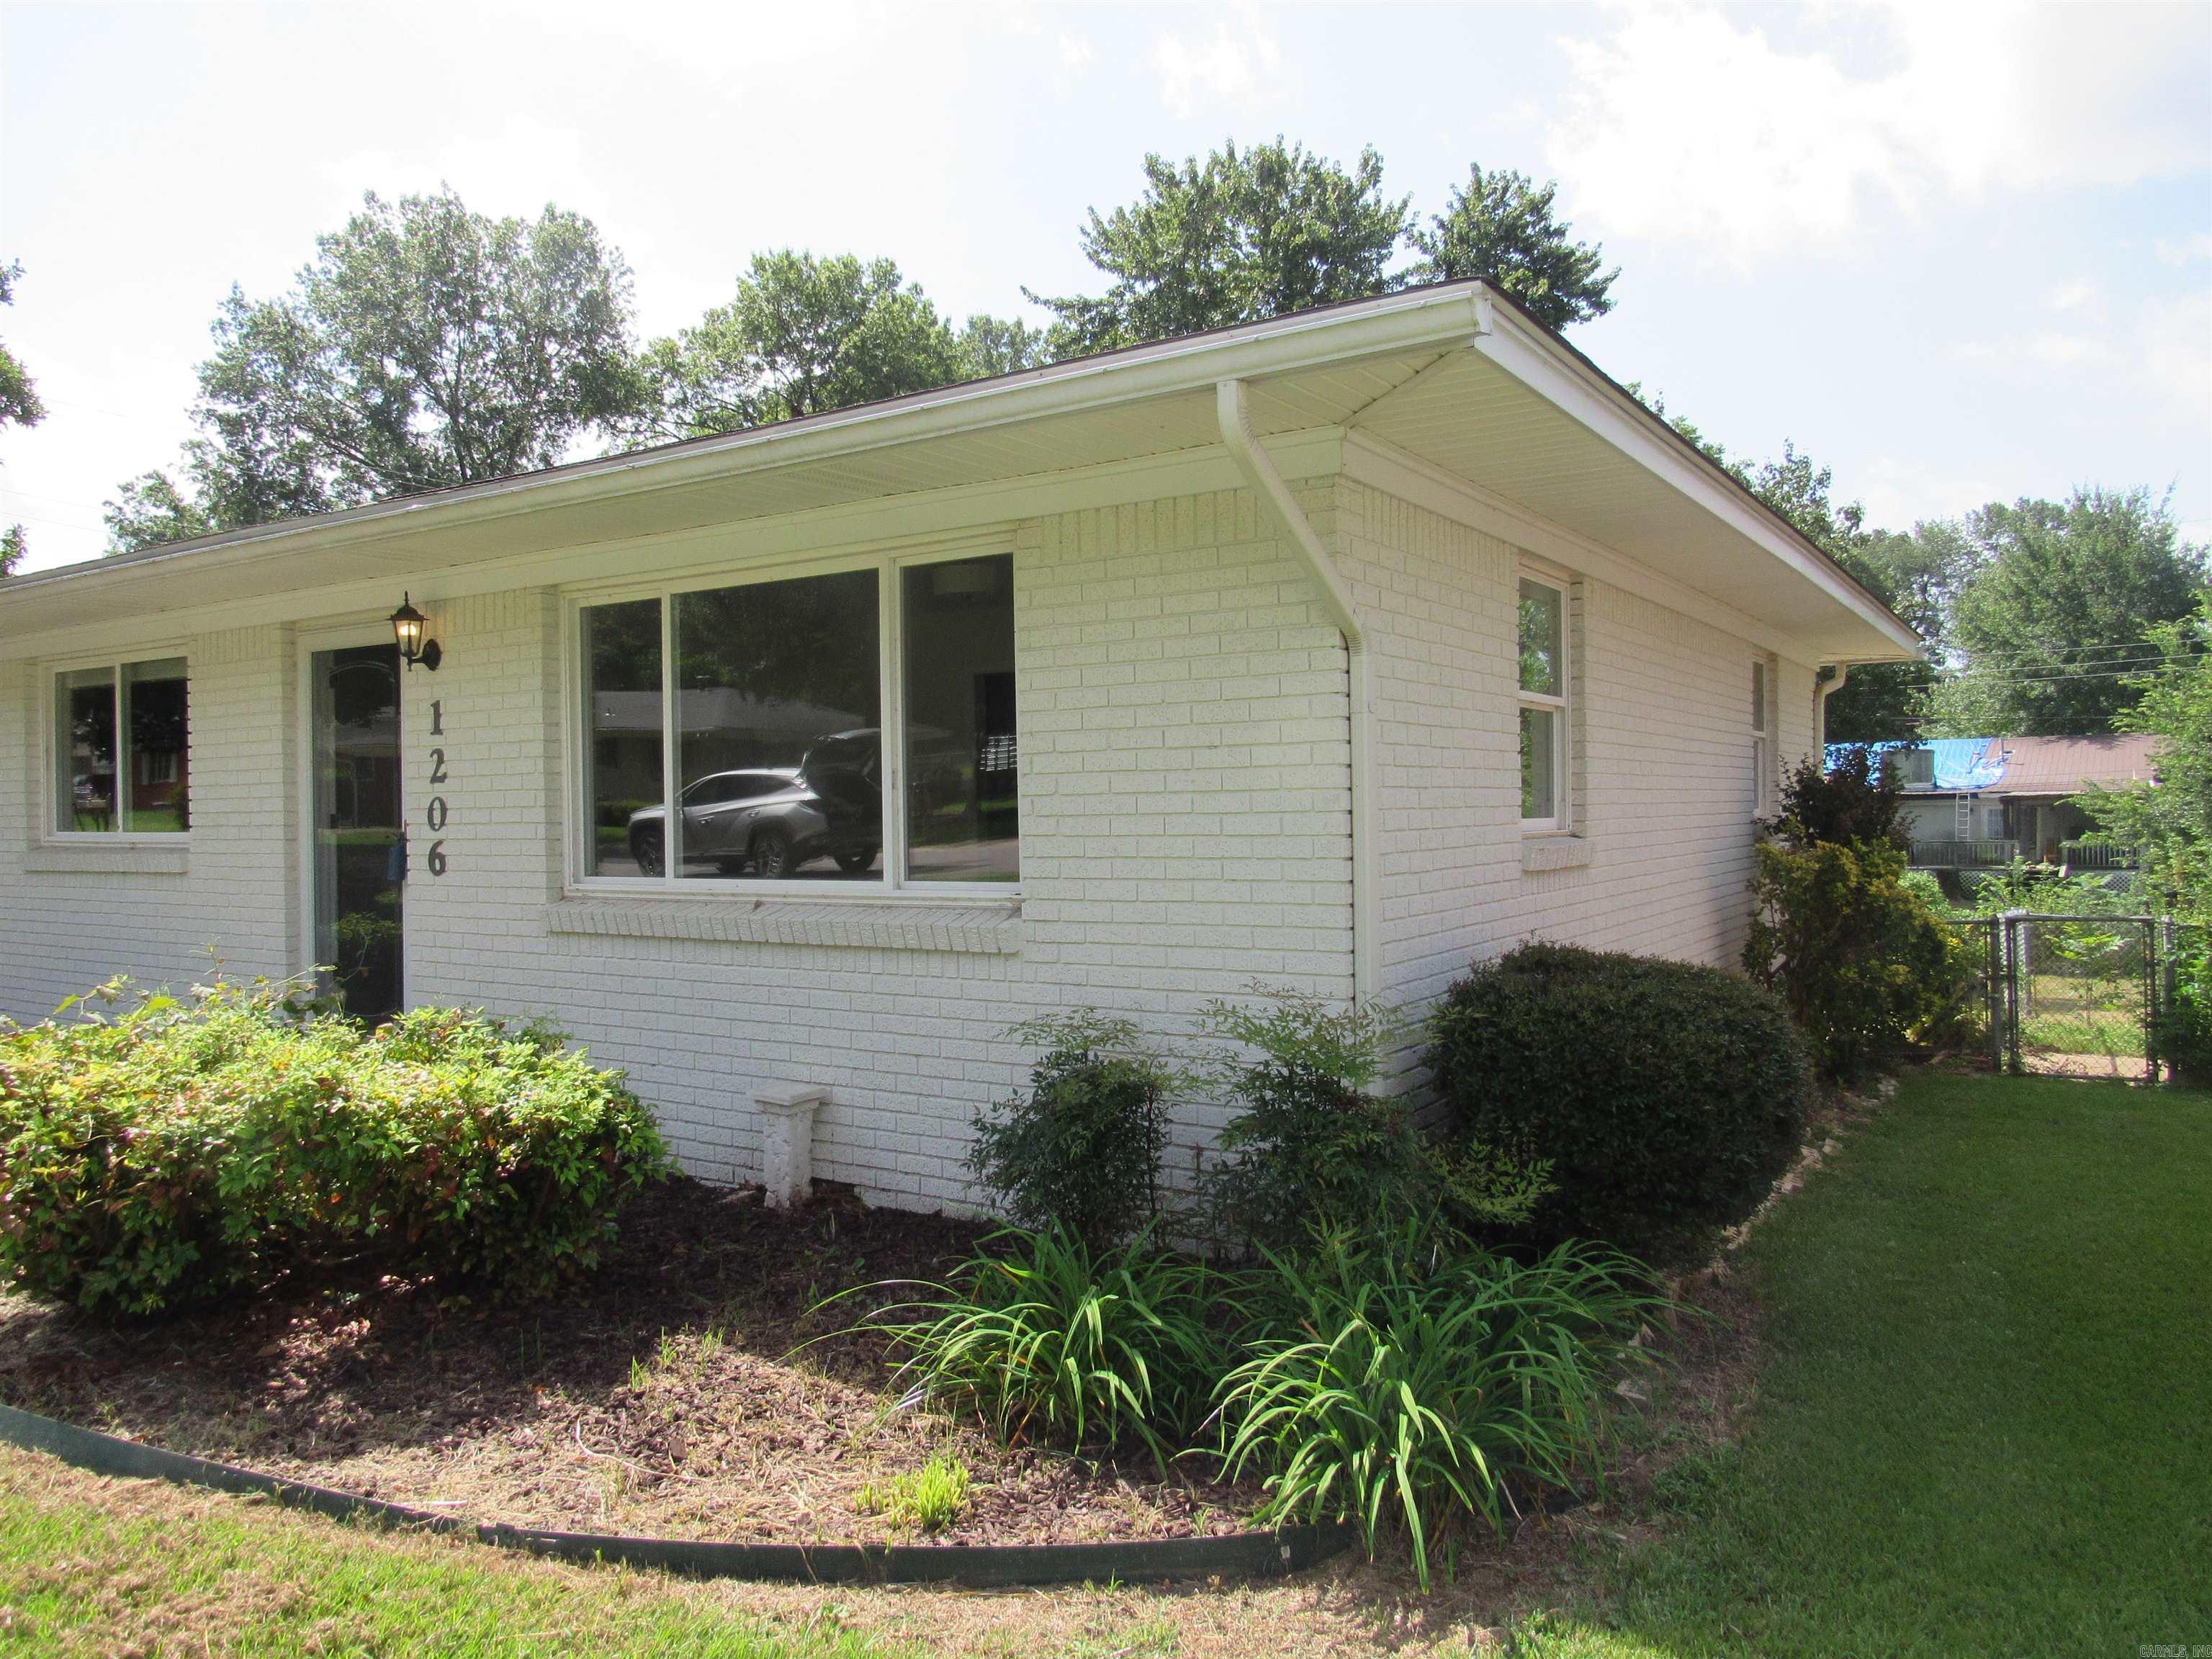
(690, 1388)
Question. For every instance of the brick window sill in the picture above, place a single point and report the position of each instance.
(1541, 853)
(135, 858)
(974, 927)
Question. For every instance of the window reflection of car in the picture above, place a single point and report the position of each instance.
(770, 821)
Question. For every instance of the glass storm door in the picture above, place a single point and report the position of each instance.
(361, 856)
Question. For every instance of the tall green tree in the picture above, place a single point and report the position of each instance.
(2169, 822)
(1244, 235)
(2061, 595)
(19, 406)
(1501, 226)
(424, 346)
(804, 334)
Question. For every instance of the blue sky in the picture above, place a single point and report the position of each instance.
(1957, 253)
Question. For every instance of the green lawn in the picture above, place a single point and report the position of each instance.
(1983, 1425)
(1984, 1422)
(96, 1567)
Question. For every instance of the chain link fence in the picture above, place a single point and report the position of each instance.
(2070, 995)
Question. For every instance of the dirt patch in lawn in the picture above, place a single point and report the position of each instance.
(692, 1387)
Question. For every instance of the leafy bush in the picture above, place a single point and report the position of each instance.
(1856, 802)
(180, 1150)
(1490, 1187)
(1083, 1147)
(1666, 1097)
(2184, 1034)
(1394, 1375)
(1047, 1340)
(1310, 1140)
(1862, 961)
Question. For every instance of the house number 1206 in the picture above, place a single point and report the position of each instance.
(435, 813)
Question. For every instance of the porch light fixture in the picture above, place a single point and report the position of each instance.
(410, 627)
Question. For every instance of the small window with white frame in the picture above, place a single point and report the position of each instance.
(122, 749)
(1762, 745)
(1543, 699)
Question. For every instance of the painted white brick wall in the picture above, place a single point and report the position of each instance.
(68, 929)
(1186, 816)
(1661, 770)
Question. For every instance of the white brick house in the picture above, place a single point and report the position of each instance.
(1114, 715)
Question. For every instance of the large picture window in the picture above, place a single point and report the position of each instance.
(1543, 647)
(749, 733)
(122, 750)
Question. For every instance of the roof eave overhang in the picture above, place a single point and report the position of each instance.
(1555, 371)
(1427, 319)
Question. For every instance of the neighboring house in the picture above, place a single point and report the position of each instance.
(1980, 803)
(1334, 652)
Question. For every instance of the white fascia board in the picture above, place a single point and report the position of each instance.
(1394, 324)
(894, 523)
(1553, 372)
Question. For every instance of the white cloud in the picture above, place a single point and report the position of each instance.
(2184, 250)
(1076, 55)
(1232, 69)
(1686, 123)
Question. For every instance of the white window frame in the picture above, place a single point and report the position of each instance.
(890, 625)
(50, 769)
(1762, 738)
(1561, 820)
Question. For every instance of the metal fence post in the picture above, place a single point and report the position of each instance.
(1993, 995)
(2010, 921)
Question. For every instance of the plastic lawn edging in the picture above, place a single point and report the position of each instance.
(1244, 1554)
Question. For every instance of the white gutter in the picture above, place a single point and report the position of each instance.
(1289, 521)
(1822, 691)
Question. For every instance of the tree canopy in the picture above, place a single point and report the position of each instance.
(1500, 226)
(805, 335)
(19, 406)
(2170, 823)
(2059, 594)
(1244, 235)
(424, 346)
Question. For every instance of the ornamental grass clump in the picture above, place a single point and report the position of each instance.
(173, 1150)
(1050, 1341)
(1400, 1377)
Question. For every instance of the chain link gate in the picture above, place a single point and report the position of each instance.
(2073, 995)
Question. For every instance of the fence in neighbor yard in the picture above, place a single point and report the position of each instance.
(2072, 996)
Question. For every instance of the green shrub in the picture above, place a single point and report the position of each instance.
(1865, 960)
(1852, 802)
(1395, 1375)
(1309, 1140)
(1665, 1097)
(1048, 1341)
(1083, 1147)
(1862, 960)
(180, 1150)
(2183, 1036)
(1489, 1188)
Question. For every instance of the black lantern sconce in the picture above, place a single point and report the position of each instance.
(411, 628)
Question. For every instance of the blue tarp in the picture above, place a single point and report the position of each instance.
(1962, 764)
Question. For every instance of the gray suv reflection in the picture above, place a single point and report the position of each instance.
(768, 821)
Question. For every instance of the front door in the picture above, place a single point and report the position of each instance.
(360, 854)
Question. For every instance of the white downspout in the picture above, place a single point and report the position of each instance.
(1822, 691)
(1283, 513)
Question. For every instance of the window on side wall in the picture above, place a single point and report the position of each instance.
(1762, 745)
(855, 728)
(122, 749)
(1543, 646)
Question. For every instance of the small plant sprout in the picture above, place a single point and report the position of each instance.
(928, 1499)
